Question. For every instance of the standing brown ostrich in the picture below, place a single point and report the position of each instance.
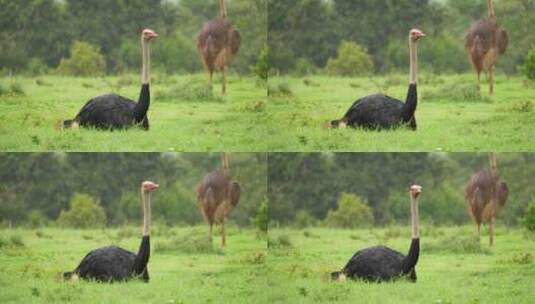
(484, 43)
(217, 43)
(217, 195)
(485, 195)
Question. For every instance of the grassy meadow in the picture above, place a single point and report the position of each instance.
(184, 267)
(452, 114)
(454, 266)
(185, 114)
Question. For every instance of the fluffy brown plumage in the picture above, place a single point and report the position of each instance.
(484, 43)
(217, 195)
(218, 43)
(485, 195)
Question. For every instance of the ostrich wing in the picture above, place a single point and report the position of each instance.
(107, 111)
(107, 264)
(375, 264)
(375, 111)
(502, 40)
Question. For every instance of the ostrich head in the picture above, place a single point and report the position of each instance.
(415, 191)
(148, 35)
(148, 186)
(338, 276)
(416, 34)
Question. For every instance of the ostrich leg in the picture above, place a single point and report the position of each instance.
(491, 231)
(491, 80)
(210, 233)
(224, 76)
(223, 240)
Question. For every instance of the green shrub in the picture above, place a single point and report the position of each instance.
(304, 67)
(262, 217)
(190, 243)
(174, 55)
(36, 219)
(190, 89)
(529, 65)
(36, 67)
(529, 217)
(281, 241)
(352, 212)
(261, 69)
(85, 60)
(303, 219)
(84, 212)
(16, 89)
(352, 60)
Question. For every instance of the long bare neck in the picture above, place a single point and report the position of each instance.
(145, 196)
(222, 9)
(145, 70)
(415, 220)
(490, 6)
(493, 165)
(225, 164)
(413, 50)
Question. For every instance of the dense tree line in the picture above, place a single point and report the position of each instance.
(314, 29)
(46, 182)
(315, 182)
(42, 31)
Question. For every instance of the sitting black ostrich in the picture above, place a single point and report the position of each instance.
(384, 112)
(112, 111)
(109, 264)
(377, 264)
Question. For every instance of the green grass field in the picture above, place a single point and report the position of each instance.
(452, 114)
(454, 267)
(184, 115)
(184, 267)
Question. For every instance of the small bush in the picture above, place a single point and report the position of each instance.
(191, 243)
(352, 212)
(457, 244)
(13, 241)
(459, 92)
(529, 65)
(84, 212)
(262, 217)
(281, 241)
(36, 219)
(36, 67)
(281, 89)
(304, 67)
(261, 69)
(85, 60)
(352, 60)
(191, 89)
(16, 89)
(303, 219)
(529, 217)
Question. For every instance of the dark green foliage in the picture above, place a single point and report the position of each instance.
(46, 183)
(351, 212)
(262, 216)
(303, 219)
(261, 69)
(85, 60)
(50, 27)
(382, 179)
(36, 219)
(84, 212)
(529, 65)
(529, 217)
(312, 29)
(351, 60)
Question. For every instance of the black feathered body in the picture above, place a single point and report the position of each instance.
(112, 264)
(112, 111)
(380, 263)
(382, 112)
